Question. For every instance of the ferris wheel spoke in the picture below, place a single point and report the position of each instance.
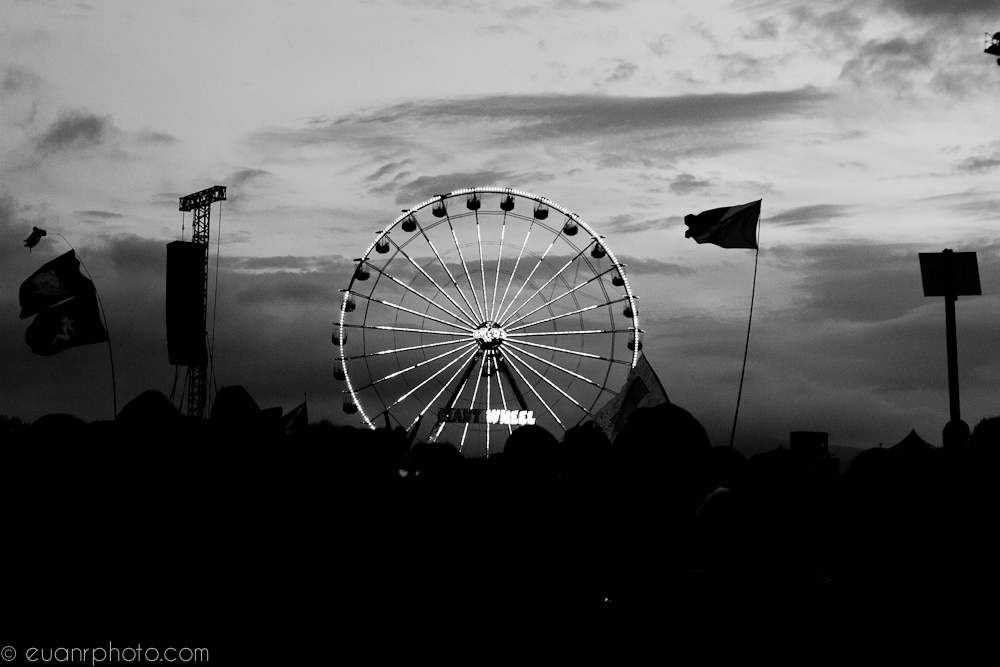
(451, 277)
(482, 267)
(508, 325)
(472, 403)
(544, 285)
(496, 279)
(400, 349)
(489, 397)
(457, 350)
(531, 387)
(417, 293)
(513, 272)
(465, 266)
(412, 261)
(563, 315)
(548, 381)
(503, 397)
(467, 367)
(575, 353)
(420, 386)
(569, 333)
(528, 279)
(388, 327)
(410, 310)
(555, 365)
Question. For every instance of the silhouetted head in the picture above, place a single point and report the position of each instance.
(986, 437)
(530, 454)
(149, 410)
(955, 434)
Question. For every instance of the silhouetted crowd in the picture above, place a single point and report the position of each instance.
(158, 521)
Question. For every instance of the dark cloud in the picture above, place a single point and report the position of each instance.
(685, 184)
(934, 8)
(976, 164)
(859, 282)
(588, 5)
(75, 130)
(640, 266)
(103, 215)
(622, 71)
(18, 79)
(890, 62)
(153, 137)
(767, 28)
(242, 177)
(631, 223)
(418, 189)
(387, 169)
(588, 116)
(807, 215)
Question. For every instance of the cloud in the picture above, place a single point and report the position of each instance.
(767, 28)
(529, 118)
(420, 188)
(243, 177)
(859, 282)
(388, 168)
(641, 266)
(685, 184)
(154, 137)
(629, 223)
(990, 159)
(890, 62)
(75, 130)
(808, 215)
(103, 215)
(622, 71)
(19, 79)
(934, 8)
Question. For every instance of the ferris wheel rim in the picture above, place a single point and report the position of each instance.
(516, 348)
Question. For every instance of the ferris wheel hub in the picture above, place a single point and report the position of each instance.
(489, 335)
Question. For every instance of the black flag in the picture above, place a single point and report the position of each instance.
(36, 236)
(728, 227)
(73, 322)
(56, 281)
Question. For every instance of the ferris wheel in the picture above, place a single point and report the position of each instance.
(479, 311)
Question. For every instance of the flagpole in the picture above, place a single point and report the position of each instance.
(111, 356)
(746, 348)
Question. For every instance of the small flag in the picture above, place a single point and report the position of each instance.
(295, 421)
(642, 390)
(73, 322)
(36, 236)
(729, 227)
(56, 281)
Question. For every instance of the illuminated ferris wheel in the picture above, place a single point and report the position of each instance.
(482, 310)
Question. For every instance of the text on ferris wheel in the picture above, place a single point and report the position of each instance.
(475, 416)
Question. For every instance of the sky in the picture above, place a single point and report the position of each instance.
(868, 128)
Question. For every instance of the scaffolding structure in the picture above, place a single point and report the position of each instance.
(200, 203)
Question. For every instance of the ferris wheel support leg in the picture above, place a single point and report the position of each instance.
(503, 397)
(459, 388)
(472, 403)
